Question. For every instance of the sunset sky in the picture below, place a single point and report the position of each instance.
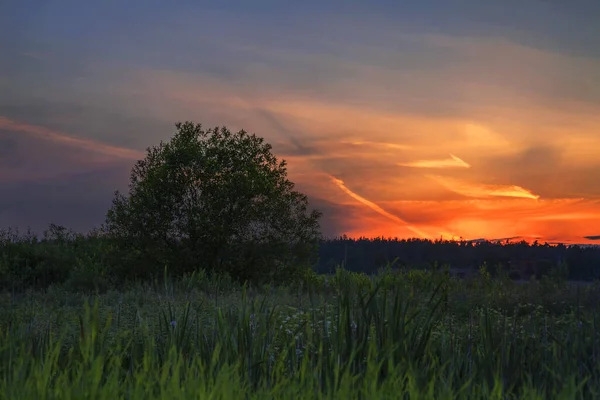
(467, 118)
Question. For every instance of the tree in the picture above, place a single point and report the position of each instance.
(216, 200)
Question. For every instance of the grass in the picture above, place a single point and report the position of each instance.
(413, 335)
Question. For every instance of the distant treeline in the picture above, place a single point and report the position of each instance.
(367, 255)
(95, 261)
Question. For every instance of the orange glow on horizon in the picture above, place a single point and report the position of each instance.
(515, 219)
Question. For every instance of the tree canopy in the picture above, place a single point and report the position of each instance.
(217, 200)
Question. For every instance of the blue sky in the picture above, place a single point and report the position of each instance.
(362, 93)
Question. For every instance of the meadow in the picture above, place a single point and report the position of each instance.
(410, 334)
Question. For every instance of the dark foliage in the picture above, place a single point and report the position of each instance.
(60, 256)
(95, 262)
(215, 200)
(521, 259)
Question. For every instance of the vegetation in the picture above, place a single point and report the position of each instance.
(95, 261)
(205, 283)
(214, 196)
(522, 259)
(411, 334)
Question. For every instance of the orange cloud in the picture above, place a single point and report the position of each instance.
(377, 144)
(481, 190)
(452, 162)
(86, 144)
(339, 183)
(568, 216)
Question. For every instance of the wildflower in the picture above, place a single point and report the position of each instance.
(252, 323)
(173, 324)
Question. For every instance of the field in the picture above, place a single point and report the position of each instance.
(404, 334)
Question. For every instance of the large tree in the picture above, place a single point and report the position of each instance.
(217, 200)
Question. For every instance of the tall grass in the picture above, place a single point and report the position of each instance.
(352, 338)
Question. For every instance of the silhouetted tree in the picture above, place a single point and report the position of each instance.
(218, 200)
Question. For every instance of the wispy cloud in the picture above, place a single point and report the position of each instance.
(35, 56)
(59, 137)
(566, 216)
(452, 162)
(377, 144)
(339, 183)
(480, 190)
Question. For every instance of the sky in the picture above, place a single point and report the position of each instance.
(408, 118)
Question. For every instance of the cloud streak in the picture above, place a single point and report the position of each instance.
(61, 138)
(452, 162)
(339, 183)
(395, 146)
(480, 190)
